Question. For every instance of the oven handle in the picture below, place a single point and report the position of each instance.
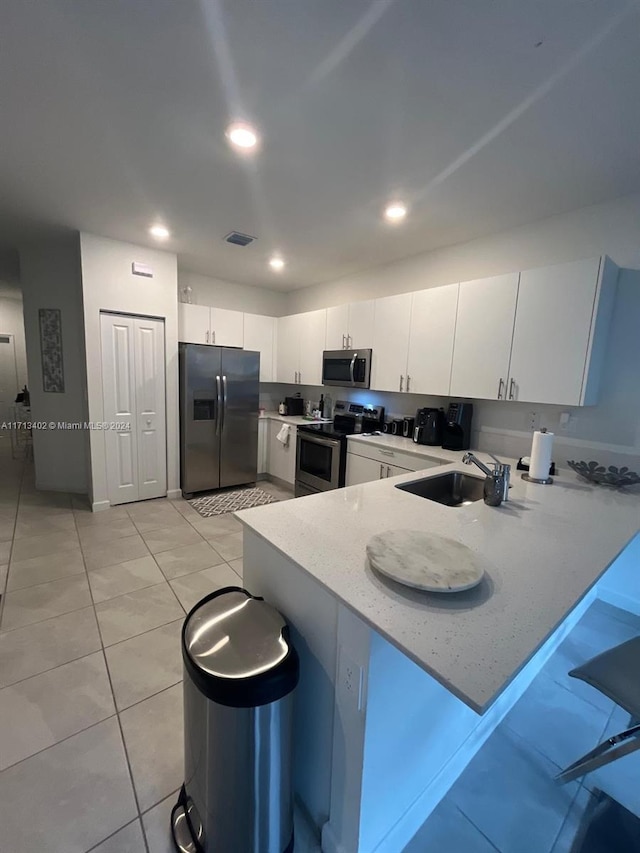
(327, 442)
(352, 367)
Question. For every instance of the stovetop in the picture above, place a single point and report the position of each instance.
(328, 430)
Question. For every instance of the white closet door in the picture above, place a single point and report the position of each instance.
(118, 384)
(150, 408)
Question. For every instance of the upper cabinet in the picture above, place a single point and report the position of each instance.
(199, 324)
(538, 336)
(194, 326)
(433, 323)
(483, 335)
(351, 326)
(301, 342)
(260, 336)
(391, 343)
(559, 339)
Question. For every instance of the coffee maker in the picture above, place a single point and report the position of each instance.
(456, 434)
(428, 427)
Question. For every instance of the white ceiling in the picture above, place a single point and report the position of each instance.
(113, 115)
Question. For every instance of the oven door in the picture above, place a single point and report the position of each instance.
(346, 368)
(318, 461)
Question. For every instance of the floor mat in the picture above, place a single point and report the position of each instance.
(231, 501)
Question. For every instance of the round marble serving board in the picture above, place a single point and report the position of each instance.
(424, 561)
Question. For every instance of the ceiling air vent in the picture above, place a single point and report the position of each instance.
(238, 239)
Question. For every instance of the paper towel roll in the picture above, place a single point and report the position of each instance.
(541, 455)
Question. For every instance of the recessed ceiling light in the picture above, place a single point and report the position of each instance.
(160, 232)
(276, 263)
(395, 211)
(242, 136)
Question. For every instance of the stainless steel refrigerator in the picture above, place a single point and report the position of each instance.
(219, 397)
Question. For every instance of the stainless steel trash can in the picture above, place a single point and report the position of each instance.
(240, 670)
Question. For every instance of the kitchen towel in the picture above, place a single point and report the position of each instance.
(541, 449)
(283, 435)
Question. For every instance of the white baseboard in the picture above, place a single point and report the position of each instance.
(99, 506)
(174, 494)
(619, 599)
(416, 815)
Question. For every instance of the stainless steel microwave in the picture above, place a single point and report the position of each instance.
(347, 368)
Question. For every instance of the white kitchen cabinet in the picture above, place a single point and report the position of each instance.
(483, 335)
(367, 462)
(193, 323)
(227, 328)
(313, 330)
(361, 324)
(281, 459)
(363, 470)
(433, 324)
(260, 335)
(301, 342)
(351, 326)
(337, 325)
(392, 321)
(199, 324)
(559, 339)
(288, 354)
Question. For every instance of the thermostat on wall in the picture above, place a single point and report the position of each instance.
(141, 269)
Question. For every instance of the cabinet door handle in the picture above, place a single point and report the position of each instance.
(388, 471)
(387, 453)
(206, 337)
(500, 384)
(381, 472)
(512, 383)
(296, 379)
(349, 343)
(213, 336)
(299, 377)
(344, 342)
(401, 381)
(408, 382)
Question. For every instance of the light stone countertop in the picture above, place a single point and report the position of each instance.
(542, 551)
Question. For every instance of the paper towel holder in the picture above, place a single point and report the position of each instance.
(544, 481)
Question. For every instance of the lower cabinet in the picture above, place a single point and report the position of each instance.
(281, 459)
(380, 463)
(363, 470)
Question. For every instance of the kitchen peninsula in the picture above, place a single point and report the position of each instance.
(400, 688)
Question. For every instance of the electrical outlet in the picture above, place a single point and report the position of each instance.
(567, 422)
(533, 420)
(350, 676)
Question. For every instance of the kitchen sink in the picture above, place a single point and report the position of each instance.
(452, 489)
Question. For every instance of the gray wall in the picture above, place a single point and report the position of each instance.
(235, 297)
(50, 274)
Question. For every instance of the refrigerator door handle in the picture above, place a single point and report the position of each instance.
(218, 406)
(224, 401)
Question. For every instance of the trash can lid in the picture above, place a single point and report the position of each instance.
(237, 649)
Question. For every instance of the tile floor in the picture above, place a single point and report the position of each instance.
(90, 666)
(90, 682)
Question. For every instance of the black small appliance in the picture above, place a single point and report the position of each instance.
(295, 405)
(428, 427)
(456, 434)
(407, 427)
(396, 426)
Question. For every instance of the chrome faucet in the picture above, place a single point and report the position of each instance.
(496, 484)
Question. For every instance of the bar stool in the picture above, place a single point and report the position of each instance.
(616, 673)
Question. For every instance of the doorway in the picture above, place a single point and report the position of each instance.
(133, 386)
(8, 380)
